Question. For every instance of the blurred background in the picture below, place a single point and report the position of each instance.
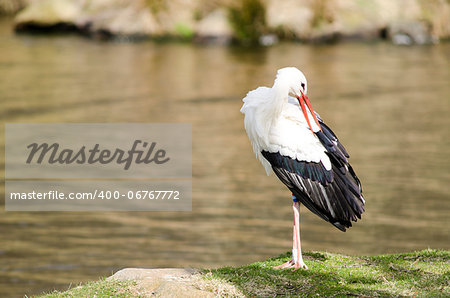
(378, 74)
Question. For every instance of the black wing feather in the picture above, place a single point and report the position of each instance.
(335, 195)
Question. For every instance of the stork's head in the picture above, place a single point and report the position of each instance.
(293, 80)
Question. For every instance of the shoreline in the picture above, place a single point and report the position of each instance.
(248, 22)
(419, 273)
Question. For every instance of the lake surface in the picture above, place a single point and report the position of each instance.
(389, 106)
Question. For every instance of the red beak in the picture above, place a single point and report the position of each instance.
(302, 101)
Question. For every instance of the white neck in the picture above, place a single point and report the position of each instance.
(262, 107)
(272, 108)
(280, 98)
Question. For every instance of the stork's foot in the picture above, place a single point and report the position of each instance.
(291, 264)
(288, 264)
(300, 265)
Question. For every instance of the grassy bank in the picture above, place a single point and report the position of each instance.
(422, 273)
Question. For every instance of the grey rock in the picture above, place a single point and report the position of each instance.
(268, 40)
(162, 282)
(408, 33)
(214, 28)
(148, 273)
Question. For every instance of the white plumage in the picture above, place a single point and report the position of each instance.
(290, 139)
(274, 122)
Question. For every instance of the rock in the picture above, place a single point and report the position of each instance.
(402, 39)
(423, 21)
(47, 13)
(157, 273)
(165, 282)
(293, 18)
(359, 19)
(437, 14)
(408, 33)
(117, 18)
(268, 40)
(214, 28)
(9, 7)
(329, 20)
(111, 17)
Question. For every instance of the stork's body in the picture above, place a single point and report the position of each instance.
(291, 140)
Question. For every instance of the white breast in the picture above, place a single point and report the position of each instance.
(290, 136)
(285, 131)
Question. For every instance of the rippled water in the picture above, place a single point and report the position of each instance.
(389, 105)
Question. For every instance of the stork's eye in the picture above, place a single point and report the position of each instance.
(303, 86)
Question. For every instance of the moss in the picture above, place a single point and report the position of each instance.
(248, 21)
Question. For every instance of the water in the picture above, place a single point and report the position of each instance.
(389, 105)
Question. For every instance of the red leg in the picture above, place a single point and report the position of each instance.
(298, 261)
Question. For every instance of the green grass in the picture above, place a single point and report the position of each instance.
(423, 273)
(101, 288)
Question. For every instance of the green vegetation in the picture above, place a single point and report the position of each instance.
(422, 273)
(248, 21)
(184, 31)
(101, 288)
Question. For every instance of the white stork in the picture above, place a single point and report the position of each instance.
(290, 139)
